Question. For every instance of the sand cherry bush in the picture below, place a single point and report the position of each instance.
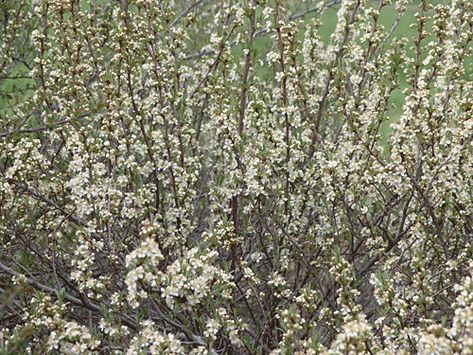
(223, 177)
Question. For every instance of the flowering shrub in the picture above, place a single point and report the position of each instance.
(217, 177)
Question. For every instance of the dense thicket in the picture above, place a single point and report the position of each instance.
(217, 177)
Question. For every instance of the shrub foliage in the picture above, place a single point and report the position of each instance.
(216, 177)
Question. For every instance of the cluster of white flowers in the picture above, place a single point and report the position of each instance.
(192, 277)
(66, 337)
(143, 263)
(152, 341)
(83, 266)
(72, 338)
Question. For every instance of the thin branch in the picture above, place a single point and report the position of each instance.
(185, 12)
(42, 128)
(54, 292)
